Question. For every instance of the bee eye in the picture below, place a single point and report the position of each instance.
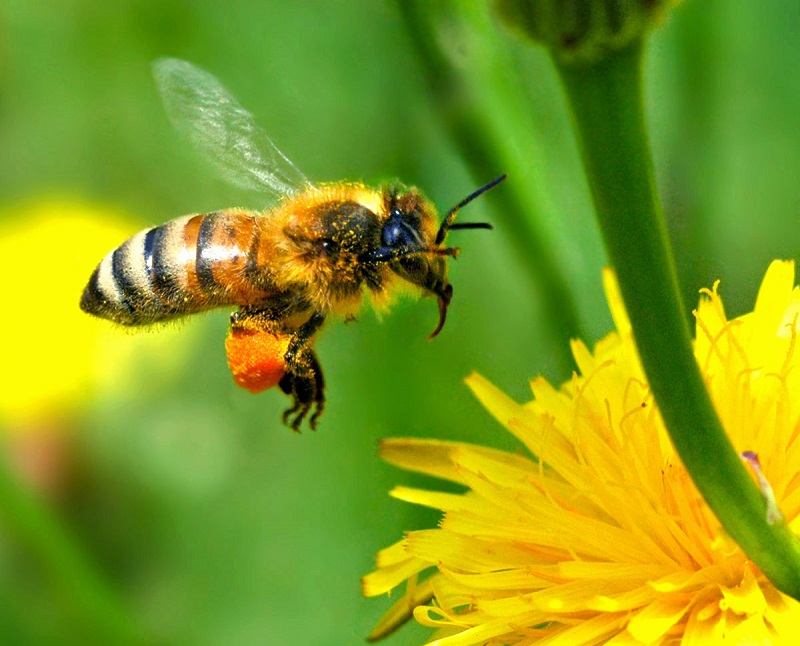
(397, 233)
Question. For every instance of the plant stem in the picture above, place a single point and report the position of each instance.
(606, 102)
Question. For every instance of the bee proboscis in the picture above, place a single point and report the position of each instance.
(310, 257)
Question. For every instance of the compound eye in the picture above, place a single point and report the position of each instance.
(397, 233)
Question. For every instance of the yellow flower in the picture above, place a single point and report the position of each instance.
(605, 537)
(54, 355)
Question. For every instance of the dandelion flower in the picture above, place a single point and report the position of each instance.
(603, 537)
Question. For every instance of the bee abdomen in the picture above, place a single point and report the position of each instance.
(187, 265)
(123, 287)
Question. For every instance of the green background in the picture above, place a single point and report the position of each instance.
(212, 522)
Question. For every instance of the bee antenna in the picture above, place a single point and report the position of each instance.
(447, 223)
(470, 225)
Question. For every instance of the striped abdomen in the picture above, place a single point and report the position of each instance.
(187, 265)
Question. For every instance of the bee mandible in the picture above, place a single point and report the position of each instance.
(310, 257)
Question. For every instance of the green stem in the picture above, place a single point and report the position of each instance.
(606, 101)
(40, 532)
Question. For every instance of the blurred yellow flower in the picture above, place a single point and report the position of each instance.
(605, 538)
(53, 354)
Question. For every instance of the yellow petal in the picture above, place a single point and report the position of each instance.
(481, 634)
(652, 623)
(500, 406)
(438, 499)
(467, 553)
(435, 457)
(775, 293)
(386, 578)
(745, 598)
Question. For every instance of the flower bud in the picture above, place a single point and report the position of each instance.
(583, 31)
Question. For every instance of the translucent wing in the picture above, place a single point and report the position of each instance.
(222, 131)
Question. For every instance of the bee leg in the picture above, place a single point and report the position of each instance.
(307, 390)
(300, 389)
(294, 355)
(319, 391)
(258, 319)
(303, 379)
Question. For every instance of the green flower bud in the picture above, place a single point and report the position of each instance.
(583, 31)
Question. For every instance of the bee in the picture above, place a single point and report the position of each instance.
(310, 257)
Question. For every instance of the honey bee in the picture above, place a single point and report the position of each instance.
(310, 257)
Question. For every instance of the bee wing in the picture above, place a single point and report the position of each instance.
(222, 131)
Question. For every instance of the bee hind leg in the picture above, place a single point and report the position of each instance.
(307, 389)
(319, 389)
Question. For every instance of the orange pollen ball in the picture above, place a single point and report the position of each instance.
(255, 357)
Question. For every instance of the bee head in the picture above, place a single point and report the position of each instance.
(413, 246)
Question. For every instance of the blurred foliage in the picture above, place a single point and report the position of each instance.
(210, 521)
